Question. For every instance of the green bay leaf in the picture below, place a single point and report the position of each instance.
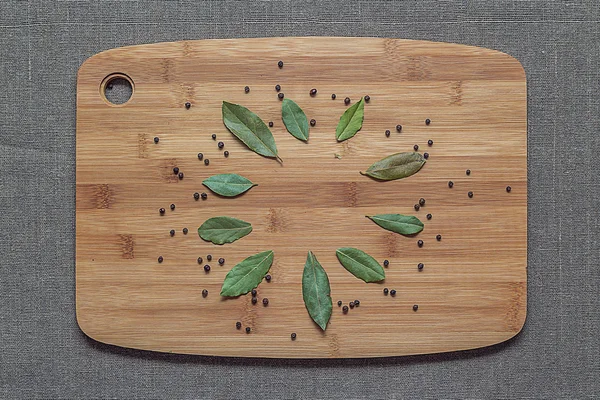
(396, 166)
(316, 291)
(351, 121)
(250, 129)
(221, 230)
(247, 275)
(402, 224)
(294, 119)
(228, 185)
(360, 264)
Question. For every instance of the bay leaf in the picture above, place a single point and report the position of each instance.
(250, 129)
(350, 121)
(360, 264)
(316, 291)
(247, 275)
(402, 224)
(221, 230)
(396, 166)
(294, 119)
(228, 185)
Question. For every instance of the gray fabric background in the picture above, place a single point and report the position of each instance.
(44, 354)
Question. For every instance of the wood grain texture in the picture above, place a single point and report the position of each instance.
(472, 291)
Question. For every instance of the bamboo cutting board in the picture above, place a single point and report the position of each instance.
(472, 290)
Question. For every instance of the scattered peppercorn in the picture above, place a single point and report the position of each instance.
(214, 136)
(399, 128)
(280, 64)
(420, 266)
(221, 145)
(209, 257)
(277, 87)
(313, 122)
(180, 175)
(161, 211)
(356, 303)
(200, 156)
(185, 231)
(221, 261)
(175, 170)
(196, 196)
(254, 300)
(387, 133)
(254, 292)
(393, 292)
(345, 309)
(415, 307)
(416, 147)
(421, 201)
(468, 172)
(429, 216)
(280, 96)
(293, 336)
(204, 293)
(246, 89)
(333, 96)
(385, 291)
(426, 155)
(347, 100)
(351, 304)
(172, 232)
(226, 153)
(438, 237)
(367, 98)
(248, 329)
(200, 260)
(450, 184)
(160, 259)
(172, 206)
(339, 303)
(156, 139)
(270, 124)
(427, 121)
(470, 194)
(188, 105)
(265, 302)
(416, 206)
(207, 268)
(420, 243)
(386, 263)
(508, 189)
(430, 142)
(204, 196)
(206, 162)
(313, 92)
(238, 325)
(268, 278)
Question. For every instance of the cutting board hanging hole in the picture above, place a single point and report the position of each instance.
(117, 89)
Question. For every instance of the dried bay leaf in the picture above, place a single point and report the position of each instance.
(351, 121)
(396, 166)
(247, 275)
(316, 291)
(360, 264)
(221, 230)
(402, 224)
(228, 185)
(294, 119)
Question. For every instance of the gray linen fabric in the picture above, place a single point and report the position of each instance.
(44, 355)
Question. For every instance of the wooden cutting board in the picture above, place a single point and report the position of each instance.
(472, 290)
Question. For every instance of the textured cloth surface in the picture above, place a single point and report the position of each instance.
(43, 354)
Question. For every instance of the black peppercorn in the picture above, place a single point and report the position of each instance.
(438, 237)
(254, 300)
(254, 292)
(265, 302)
(221, 145)
(200, 156)
(268, 278)
(426, 155)
(339, 303)
(293, 336)
(468, 172)
(206, 162)
(421, 202)
(313, 92)
(385, 291)
(246, 89)
(209, 257)
(313, 122)
(416, 206)
(333, 96)
(204, 196)
(270, 124)
(180, 175)
(248, 329)
(277, 87)
(416, 147)
(185, 231)
(429, 216)
(347, 100)
(450, 184)
(427, 121)
(196, 196)
(393, 292)
(207, 268)
(508, 189)
(420, 243)
(351, 304)
(420, 266)
(221, 261)
(399, 128)
(415, 307)
(386, 263)
(175, 170)
(387, 133)
(367, 98)
(200, 260)
(204, 293)
(161, 211)
(345, 309)
(156, 139)
(188, 105)
(280, 96)
(430, 142)
(160, 259)
(214, 136)
(172, 206)
(238, 325)
(280, 64)
(172, 232)
(470, 194)
(356, 303)
(226, 153)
